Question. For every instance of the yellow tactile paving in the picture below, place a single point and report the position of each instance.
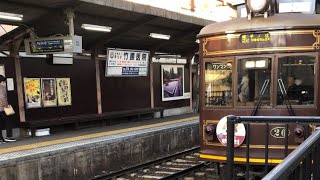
(88, 136)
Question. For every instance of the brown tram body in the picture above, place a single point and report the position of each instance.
(282, 47)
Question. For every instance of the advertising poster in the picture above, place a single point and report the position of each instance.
(126, 62)
(172, 82)
(49, 94)
(32, 92)
(64, 91)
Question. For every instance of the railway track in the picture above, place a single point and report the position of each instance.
(186, 165)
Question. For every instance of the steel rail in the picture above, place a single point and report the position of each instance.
(184, 172)
(141, 166)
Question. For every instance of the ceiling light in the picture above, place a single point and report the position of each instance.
(96, 27)
(160, 36)
(11, 16)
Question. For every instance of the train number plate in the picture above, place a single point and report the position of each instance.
(279, 132)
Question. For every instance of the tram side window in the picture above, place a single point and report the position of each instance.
(297, 74)
(218, 83)
(254, 81)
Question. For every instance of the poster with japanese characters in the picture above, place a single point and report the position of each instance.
(63, 91)
(127, 62)
(32, 92)
(49, 93)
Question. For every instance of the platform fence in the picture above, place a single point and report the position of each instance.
(302, 163)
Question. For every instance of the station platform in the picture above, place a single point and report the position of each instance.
(85, 153)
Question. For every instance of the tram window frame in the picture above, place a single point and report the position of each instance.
(315, 85)
(218, 60)
(270, 84)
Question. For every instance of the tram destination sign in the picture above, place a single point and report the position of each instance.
(54, 45)
(127, 62)
(254, 38)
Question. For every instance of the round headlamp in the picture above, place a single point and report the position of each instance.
(258, 6)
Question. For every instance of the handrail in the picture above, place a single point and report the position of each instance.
(294, 158)
(232, 120)
(276, 119)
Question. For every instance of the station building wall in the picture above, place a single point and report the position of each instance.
(123, 93)
(117, 93)
(83, 86)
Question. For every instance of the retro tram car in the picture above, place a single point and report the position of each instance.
(264, 66)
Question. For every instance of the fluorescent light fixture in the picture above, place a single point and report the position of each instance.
(261, 63)
(256, 64)
(11, 16)
(250, 64)
(160, 36)
(96, 27)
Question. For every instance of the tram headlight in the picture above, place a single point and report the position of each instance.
(210, 130)
(299, 133)
(258, 6)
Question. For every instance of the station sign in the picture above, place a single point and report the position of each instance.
(239, 132)
(53, 45)
(127, 62)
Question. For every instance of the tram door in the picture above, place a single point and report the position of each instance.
(254, 77)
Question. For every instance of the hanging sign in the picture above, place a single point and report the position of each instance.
(51, 45)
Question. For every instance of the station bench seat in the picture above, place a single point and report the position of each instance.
(33, 125)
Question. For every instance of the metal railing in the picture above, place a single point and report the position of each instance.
(301, 163)
(304, 162)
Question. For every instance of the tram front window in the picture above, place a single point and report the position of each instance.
(254, 81)
(296, 77)
(218, 83)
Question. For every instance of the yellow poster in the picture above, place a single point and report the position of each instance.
(64, 91)
(32, 92)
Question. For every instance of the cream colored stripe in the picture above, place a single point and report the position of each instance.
(77, 138)
(293, 48)
(235, 36)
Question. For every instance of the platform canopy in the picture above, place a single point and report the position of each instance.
(131, 24)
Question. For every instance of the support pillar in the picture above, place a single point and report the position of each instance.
(70, 15)
(191, 82)
(14, 52)
(94, 57)
(151, 79)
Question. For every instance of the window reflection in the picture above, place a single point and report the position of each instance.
(218, 83)
(254, 81)
(297, 74)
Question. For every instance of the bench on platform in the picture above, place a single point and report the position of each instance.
(76, 120)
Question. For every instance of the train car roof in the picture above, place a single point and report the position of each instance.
(275, 22)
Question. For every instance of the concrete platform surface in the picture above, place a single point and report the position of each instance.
(86, 153)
